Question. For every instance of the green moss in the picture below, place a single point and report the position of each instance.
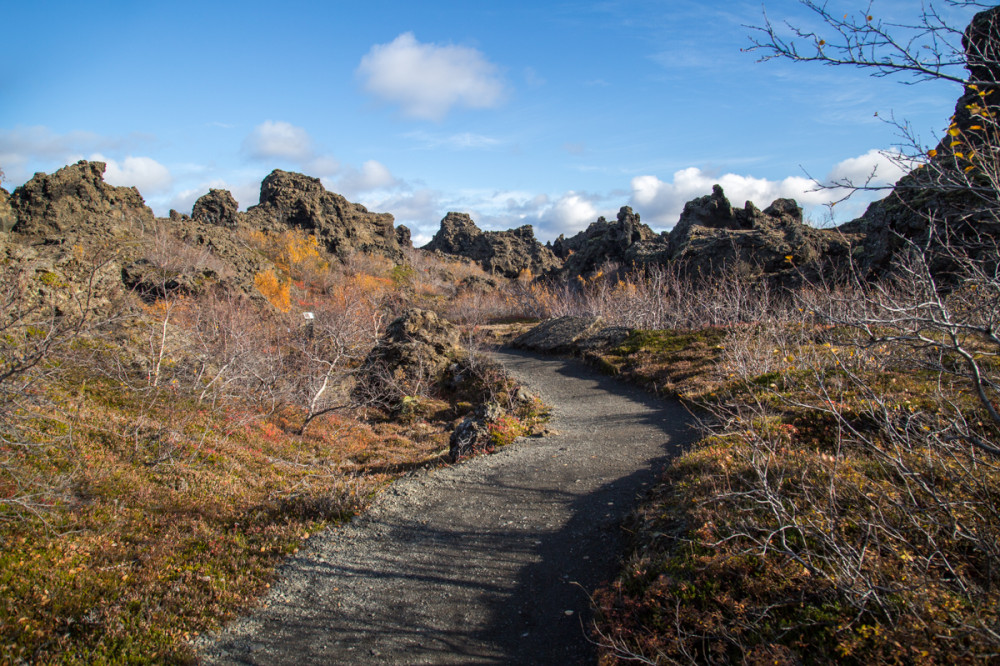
(402, 275)
(668, 341)
(51, 279)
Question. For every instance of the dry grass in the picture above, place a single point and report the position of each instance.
(154, 469)
(827, 518)
(175, 519)
(674, 363)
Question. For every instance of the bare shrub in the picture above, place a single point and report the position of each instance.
(235, 350)
(173, 257)
(656, 296)
(325, 355)
(865, 447)
(36, 344)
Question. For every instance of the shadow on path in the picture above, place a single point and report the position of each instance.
(481, 563)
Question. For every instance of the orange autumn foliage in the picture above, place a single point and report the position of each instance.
(294, 252)
(276, 291)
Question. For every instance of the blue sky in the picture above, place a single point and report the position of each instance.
(516, 112)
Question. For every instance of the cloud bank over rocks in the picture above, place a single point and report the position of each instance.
(26, 149)
(427, 80)
(144, 173)
(282, 144)
(415, 203)
(661, 202)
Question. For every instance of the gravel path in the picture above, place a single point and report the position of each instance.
(480, 563)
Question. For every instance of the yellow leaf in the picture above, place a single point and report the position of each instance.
(956, 143)
(969, 168)
(976, 127)
(822, 42)
(931, 153)
(959, 155)
(954, 131)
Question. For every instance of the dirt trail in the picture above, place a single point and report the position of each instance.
(480, 563)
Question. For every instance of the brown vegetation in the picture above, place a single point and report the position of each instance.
(162, 449)
(843, 503)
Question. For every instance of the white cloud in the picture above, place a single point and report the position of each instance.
(460, 141)
(660, 203)
(427, 80)
(372, 175)
(278, 140)
(567, 214)
(144, 173)
(420, 210)
(246, 194)
(877, 168)
(322, 166)
(27, 149)
(570, 214)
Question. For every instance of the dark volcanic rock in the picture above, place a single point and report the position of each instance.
(75, 201)
(460, 236)
(583, 336)
(416, 350)
(473, 433)
(507, 253)
(294, 200)
(152, 282)
(940, 201)
(626, 242)
(241, 263)
(7, 218)
(217, 207)
(403, 237)
(712, 211)
(712, 236)
(559, 335)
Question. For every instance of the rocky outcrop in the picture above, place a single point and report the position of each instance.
(76, 202)
(403, 238)
(559, 335)
(7, 218)
(152, 282)
(295, 200)
(241, 264)
(472, 434)
(713, 236)
(572, 335)
(459, 236)
(942, 203)
(627, 242)
(218, 207)
(507, 253)
(417, 349)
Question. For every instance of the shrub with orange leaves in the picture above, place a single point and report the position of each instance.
(275, 290)
(294, 252)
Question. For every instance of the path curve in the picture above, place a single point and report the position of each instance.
(480, 563)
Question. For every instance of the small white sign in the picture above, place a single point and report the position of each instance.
(308, 316)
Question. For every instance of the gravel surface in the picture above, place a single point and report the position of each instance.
(486, 562)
